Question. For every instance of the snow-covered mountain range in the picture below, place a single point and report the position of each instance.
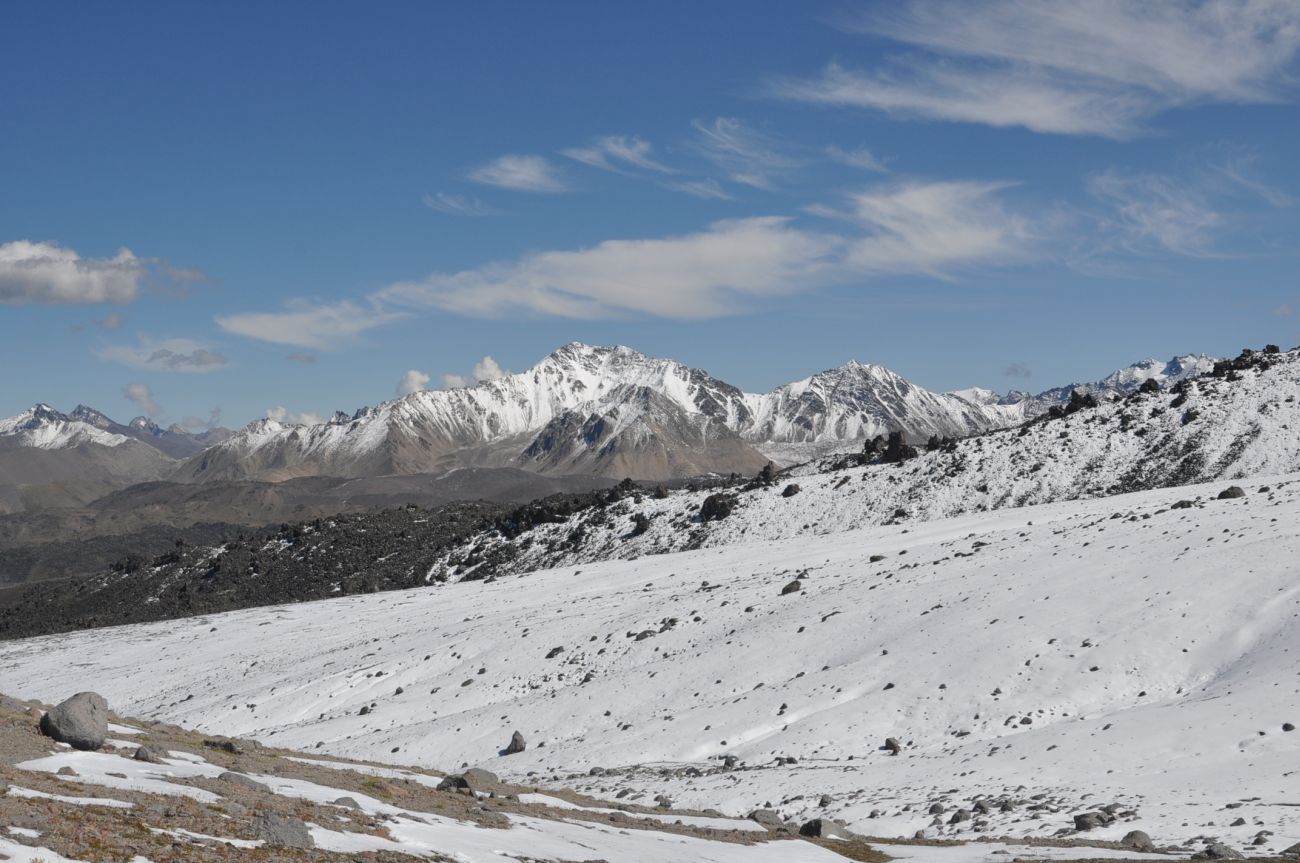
(612, 411)
(582, 410)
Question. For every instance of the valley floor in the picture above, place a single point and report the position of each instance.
(1138, 650)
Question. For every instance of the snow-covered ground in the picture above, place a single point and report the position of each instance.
(1101, 651)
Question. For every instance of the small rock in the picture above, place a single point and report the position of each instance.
(791, 490)
(892, 746)
(1229, 493)
(793, 587)
(347, 802)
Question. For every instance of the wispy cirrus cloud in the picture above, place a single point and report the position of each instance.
(619, 154)
(520, 173)
(457, 205)
(933, 229)
(859, 157)
(746, 155)
(168, 355)
(1058, 66)
(307, 324)
(1200, 212)
(708, 189)
(936, 228)
(699, 275)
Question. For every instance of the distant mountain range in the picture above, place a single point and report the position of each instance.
(583, 410)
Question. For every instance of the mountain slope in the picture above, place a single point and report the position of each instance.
(1239, 421)
(48, 459)
(175, 441)
(1057, 659)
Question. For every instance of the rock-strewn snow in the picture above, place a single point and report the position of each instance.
(1099, 651)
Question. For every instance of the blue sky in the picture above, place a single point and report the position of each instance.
(321, 204)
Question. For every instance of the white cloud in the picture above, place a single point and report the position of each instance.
(308, 325)
(194, 424)
(1060, 66)
(282, 414)
(141, 395)
(699, 275)
(935, 228)
(709, 189)
(111, 321)
(485, 369)
(1153, 212)
(618, 153)
(168, 355)
(520, 173)
(457, 205)
(858, 158)
(49, 273)
(748, 156)
(412, 382)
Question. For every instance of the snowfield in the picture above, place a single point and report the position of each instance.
(1059, 657)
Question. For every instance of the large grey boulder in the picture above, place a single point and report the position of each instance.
(768, 818)
(474, 781)
(81, 721)
(278, 831)
(246, 781)
(824, 828)
(1218, 851)
(516, 745)
(1138, 840)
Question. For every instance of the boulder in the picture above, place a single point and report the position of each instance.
(1293, 851)
(793, 587)
(81, 721)
(791, 490)
(151, 754)
(1232, 491)
(277, 831)
(892, 746)
(516, 745)
(1138, 840)
(1089, 821)
(768, 818)
(824, 828)
(1217, 851)
(247, 782)
(473, 781)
